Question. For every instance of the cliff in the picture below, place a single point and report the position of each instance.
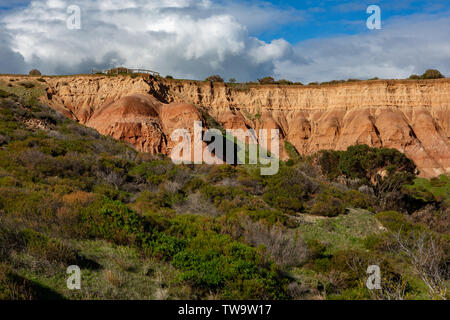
(411, 116)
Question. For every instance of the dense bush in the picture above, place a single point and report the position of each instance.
(389, 166)
(428, 74)
(215, 78)
(289, 189)
(266, 80)
(284, 82)
(327, 205)
(432, 74)
(35, 73)
(214, 261)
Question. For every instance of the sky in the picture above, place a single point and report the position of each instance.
(306, 41)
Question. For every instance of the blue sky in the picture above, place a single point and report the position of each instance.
(300, 40)
(325, 18)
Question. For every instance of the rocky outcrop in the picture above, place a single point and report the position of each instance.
(411, 116)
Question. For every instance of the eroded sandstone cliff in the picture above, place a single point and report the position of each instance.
(411, 116)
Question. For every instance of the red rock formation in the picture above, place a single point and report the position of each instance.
(134, 119)
(411, 116)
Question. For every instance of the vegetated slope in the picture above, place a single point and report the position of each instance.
(142, 228)
(411, 116)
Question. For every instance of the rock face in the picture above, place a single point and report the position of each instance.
(411, 116)
(134, 119)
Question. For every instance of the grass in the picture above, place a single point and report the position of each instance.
(342, 232)
(24, 89)
(439, 187)
(114, 272)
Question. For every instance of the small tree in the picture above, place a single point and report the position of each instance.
(432, 74)
(232, 80)
(35, 73)
(414, 77)
(427, 257)
(214, 78)
(266, 80)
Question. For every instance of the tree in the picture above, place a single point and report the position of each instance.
(427, 257)
(35, 73)
(266, 80)
(432, 74)
(232, 80)
(214, 78)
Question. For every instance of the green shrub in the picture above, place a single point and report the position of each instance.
(220, 172)
(365, 163)
(291, 150)
(112, 220)
(329, 163)
(266, 80)
(288, 190)
(285, 82)
(355, 199)
(34, 73)
(393, 220)
(221, 194)
(432, 74)
(155, 172)
(216, 262)
(327, 205)
(214, 78)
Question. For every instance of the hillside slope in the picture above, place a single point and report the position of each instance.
(140, 227)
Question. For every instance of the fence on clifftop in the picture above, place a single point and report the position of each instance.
(120, 70)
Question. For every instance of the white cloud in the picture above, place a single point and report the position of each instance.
(404, 46)
(185, 38)
(276, 50)
(194, 39)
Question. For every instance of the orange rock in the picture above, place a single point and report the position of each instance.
(411, 116)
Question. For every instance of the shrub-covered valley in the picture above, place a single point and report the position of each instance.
(141, 227)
